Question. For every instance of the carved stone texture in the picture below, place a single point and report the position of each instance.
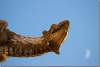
(13, 44)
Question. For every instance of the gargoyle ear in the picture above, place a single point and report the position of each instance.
(3, 22)
(3, 25)
(47, 35)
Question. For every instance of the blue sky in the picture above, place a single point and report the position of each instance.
(31, 17)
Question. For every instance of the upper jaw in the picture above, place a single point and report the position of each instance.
(63, 25)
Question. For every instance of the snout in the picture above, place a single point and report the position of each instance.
(64, 24)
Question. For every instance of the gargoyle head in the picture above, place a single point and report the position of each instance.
(56, 35)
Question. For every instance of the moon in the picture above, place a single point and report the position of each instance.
(87, 53)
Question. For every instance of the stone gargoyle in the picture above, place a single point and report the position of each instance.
(15, 45)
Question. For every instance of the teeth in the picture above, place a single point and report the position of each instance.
(56, 30)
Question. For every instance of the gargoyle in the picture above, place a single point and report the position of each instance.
(15, 45)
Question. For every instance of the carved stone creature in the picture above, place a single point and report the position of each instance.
(15, 45)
